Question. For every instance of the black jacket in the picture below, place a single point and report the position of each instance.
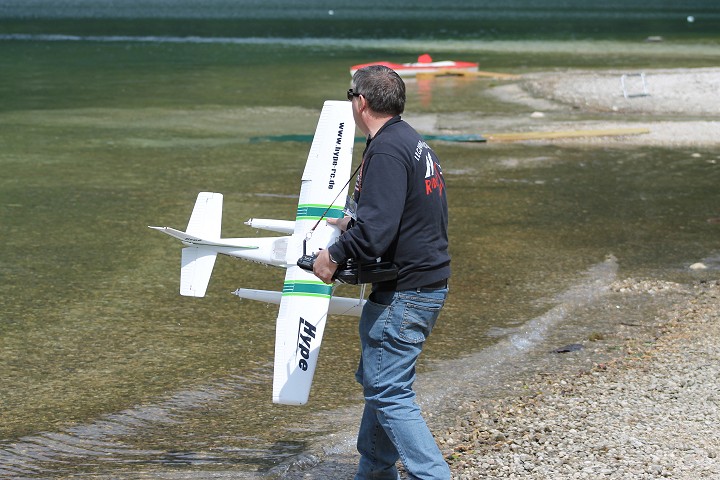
(402, 213)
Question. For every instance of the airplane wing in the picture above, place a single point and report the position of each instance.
(338, 305)
(305, 299)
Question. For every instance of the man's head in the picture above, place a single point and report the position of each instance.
(383, 89)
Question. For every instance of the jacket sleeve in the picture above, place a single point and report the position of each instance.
(379, 210)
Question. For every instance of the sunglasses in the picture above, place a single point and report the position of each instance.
(351, 94)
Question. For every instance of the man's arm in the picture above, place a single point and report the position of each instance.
(379, 211)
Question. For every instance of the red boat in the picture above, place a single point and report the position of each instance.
(424, 64)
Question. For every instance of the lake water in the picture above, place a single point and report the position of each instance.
(114, 115)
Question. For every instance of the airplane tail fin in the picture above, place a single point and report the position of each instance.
(197, 261)
(206, 218)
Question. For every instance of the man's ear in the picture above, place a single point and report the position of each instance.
(363, 103)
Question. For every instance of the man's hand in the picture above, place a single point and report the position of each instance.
(341, 223)
(323, 268)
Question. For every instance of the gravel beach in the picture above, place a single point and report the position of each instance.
(652, 412)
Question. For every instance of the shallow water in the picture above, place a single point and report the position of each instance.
(106, 370)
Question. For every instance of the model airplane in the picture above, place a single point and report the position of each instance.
(305, 301)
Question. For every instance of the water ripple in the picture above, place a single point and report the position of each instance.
(49, 452)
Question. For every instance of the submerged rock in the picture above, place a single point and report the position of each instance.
(573, 347)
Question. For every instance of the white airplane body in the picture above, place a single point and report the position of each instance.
(305, 301)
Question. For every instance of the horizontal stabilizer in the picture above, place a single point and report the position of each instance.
(234, 243)
(182, 236)
(195, 270)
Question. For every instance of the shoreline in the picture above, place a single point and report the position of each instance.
(681, 108)
(648, 413)
(645, 412)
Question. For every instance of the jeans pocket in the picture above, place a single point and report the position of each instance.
(418, 321)
(381, 298)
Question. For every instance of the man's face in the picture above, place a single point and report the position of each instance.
(359, 104)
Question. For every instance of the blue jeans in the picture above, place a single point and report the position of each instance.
(393, 329)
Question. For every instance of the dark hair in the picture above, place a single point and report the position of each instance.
(382, 87)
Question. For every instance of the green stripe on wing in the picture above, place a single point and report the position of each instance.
(307, 288)
(315, 212)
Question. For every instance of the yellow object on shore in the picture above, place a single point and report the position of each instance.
(519, 136)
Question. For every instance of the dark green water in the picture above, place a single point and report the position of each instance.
(106, 370)
(373, 19)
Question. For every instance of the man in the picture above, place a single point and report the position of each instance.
(400, 216)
